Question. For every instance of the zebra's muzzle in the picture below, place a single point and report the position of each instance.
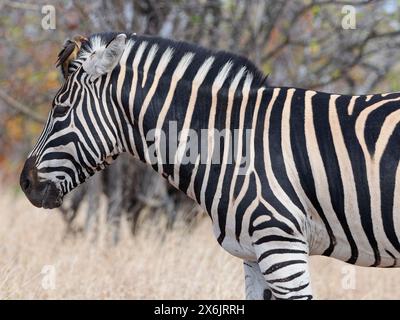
(52, 197)
(42, 194)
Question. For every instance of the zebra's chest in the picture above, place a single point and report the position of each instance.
(241, 248)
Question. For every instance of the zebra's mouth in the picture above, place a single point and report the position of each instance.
(52, 196)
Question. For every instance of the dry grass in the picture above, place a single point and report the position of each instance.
(185, 264)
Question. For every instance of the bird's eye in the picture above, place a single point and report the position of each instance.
(60, 111)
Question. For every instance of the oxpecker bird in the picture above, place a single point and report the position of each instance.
(69, 52)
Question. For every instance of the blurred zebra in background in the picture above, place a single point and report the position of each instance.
(320, 170)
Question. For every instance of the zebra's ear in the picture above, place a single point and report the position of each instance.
(105, 59)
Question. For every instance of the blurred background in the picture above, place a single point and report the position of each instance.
(127, 214)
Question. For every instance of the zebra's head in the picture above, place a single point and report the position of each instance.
(73, 144)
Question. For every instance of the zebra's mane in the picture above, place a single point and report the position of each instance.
(100, 40)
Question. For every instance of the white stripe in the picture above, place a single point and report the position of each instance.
(227, 147)
(246, 183)
(321, 179)
(197, 81)
(351, 209)
(232, 203)
(119, 88)
(162, 65)
(177, 75)
(218, 83)
(350, 107)
(190, 189)
(276, 188)
(149, 60)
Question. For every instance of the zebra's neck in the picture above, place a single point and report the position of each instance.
(175, 96)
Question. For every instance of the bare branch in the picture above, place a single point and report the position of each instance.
(21, 5)
(14, 104)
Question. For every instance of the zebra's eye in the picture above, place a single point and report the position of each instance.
(60, 111)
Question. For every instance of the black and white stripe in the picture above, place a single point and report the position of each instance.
(323, 169)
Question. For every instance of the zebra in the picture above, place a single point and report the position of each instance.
(322, 173)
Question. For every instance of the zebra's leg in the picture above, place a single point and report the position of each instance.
(284, 265)
(255, 284)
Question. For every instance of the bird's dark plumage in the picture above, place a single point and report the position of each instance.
(68, 53)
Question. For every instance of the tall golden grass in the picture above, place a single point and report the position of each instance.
(182, 264)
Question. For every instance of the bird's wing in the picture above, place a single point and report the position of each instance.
(65, 52)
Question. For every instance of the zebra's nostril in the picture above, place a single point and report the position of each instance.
(26, 184)
(28, 175)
